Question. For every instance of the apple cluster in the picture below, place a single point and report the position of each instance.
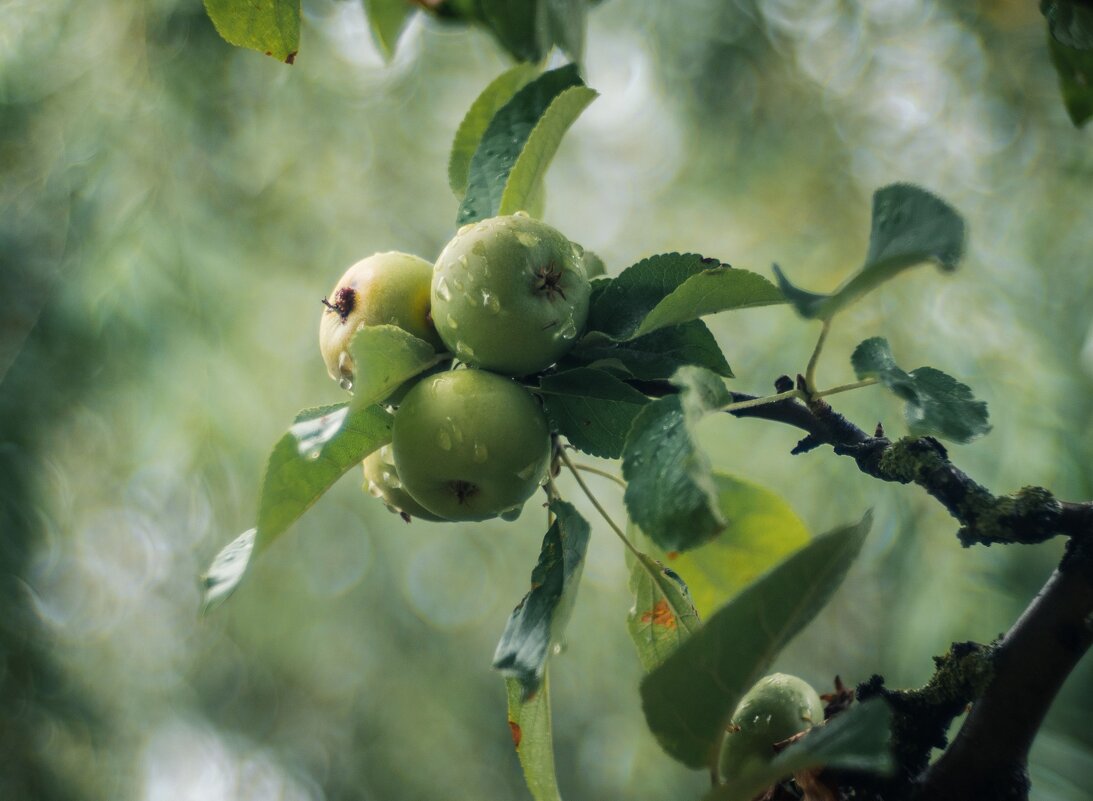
(506, 299)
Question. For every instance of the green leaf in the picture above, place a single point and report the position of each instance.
(538, 621)
(689, 699)
(937, 404)
(505, 137)
(565, 22)
(530, 724)
(227, 570)
(663, 615)
(592, 409)
(657, 355)
(1075, 70)
(910, 226)
(673, 288)
(670, 492)
(515, 25)
(762, 530)
(385, 356)
(857, 739)
(593, 265)
(525, 180)
(387, 18)
(268, 26)
(1070, 22)
(474, 124)
(717, 289)
(296, 478)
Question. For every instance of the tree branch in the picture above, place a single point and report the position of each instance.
(989, 757)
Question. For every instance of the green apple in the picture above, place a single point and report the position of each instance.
(510, 294)
(381, 479)
(776, 708)
(470, 445)
(385, 288)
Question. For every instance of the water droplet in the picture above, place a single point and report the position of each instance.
(391, 479)
(313, 455)
(452, 324)
(568, 329)
(374, 489)
(457, 432)
(481, 454)
(457, 284)
(442, 290)
(523, 214)
(346, 383)
(512, 514)
(444, 440)
(463, 262)
(464, 229)
(490, 302)
(464, 351)
(526, 239)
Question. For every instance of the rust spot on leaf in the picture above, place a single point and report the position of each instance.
(514, 727)
(660, 615)
(672, 554)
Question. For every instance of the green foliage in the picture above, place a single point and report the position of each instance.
(688, 700)
(761, 530)
(528, 29)
(298, 474)
(533, 738)
(477, 120)
(538, 621)
(591, 408)
(318, 449)
(227, 570)
(1070, 22)
(910, 226)
(385, 356)
(387, 18)
(657, 355)
(673, 288)
(663, 615)
(670, 494)
(1074, 66)
(937, 404)
(525, 182)
(268, 26)
(856, 739)
(507, 134)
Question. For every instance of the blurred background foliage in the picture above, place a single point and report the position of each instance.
(172, 210)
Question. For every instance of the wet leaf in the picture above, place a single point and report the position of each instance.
(227, 570)
(937, 404)
(474, 124)
(384, 357)
(533, 738)
(504, 140)
(657, 355)
(526, 177)
(592, 409)
(689, 699)
(663, 615)
(537, 623)
(673, 288)
(761, 529)
(910, 226)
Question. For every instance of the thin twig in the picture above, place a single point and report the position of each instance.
(814, 359)
(602, 473)
(595, 502)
